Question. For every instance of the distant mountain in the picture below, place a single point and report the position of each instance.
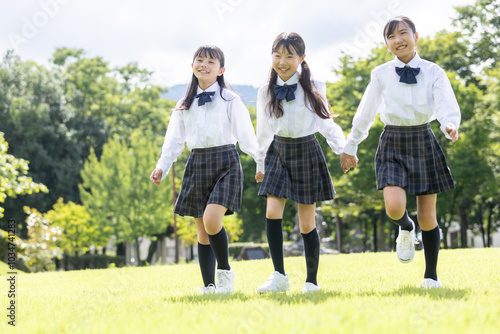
(248, 93)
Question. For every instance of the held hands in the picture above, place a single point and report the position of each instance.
(259, 177)
(348, 161)
(156, 176)
(452, 131)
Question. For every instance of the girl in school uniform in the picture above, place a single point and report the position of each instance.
(210, 119)
(291, 108)
(408, 92)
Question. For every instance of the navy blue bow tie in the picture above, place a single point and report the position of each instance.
(285, 91)
(204, 97)
(407, 74)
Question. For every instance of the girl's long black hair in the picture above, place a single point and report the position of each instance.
(295, 44)
(210, 51)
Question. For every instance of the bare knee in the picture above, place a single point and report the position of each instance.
(395, 212)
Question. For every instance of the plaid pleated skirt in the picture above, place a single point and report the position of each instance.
(410, 157)
(296, 169)
(212, 176)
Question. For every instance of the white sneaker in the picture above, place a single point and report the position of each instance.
(206, 290)
(225, 281)
(277, 282)
(310, 287)
(405, 245)
(429, 283)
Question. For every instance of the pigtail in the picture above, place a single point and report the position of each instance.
(274, 105)
(190, 94)
(312, 94)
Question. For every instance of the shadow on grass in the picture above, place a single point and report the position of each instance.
(442, 293)
(194, 298)
(300, 298)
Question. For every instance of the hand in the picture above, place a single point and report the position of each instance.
(259, 177)
(156, 176)
(452, 131)
(348, 161)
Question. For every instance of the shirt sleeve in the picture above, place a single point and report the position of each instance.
(242, 129)
(446, 108)
(368, 108)
(333, 133)
(173, 144)
(265, 134)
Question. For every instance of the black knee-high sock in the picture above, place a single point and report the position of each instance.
(432, 242)
(274, 232)
(311, 250)
(219, 245)
(206, 258)
(404, 222)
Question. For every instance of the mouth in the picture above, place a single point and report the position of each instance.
(401, 47)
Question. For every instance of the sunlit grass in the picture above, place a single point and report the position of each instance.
(361, 293)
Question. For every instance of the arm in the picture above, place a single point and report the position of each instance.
(364, 118)
(173, 146)
(333, 133)
(446, 106)
(265, 134)
(242, 129)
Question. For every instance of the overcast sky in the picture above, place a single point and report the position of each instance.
(163, 35)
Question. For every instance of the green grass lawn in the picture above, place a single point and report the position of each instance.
(361, 293)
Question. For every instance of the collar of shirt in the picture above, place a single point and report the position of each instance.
(213, 88)
(412, 63)
(294, 79)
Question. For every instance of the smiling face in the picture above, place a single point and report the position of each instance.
(206, 69)
(402, 42)
(286, 62)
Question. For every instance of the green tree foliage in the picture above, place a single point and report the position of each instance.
(118, 194)
(78, 232)
(40, 248)
(54, 115)
(13, 179)
(480, 24)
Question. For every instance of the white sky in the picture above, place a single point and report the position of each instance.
(163, 35)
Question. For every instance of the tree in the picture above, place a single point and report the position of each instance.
(40, 248)
(13, 179)
(54, 115)
(78, 232)
(118, 194)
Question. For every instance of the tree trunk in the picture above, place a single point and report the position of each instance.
(488, 224)
(137, 252)
(463, 227)
(152, 249)
(374, 221)
(338, 224)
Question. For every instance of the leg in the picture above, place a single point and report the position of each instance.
(278, 281)
(274, 230)
(212, 219)
(395, 205)
(431, 237)
(307, 225)
(206, 256)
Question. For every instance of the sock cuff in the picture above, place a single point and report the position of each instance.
(274, 221)
(431, 231)
(221, 233)
(310, 234)
(400, 220)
